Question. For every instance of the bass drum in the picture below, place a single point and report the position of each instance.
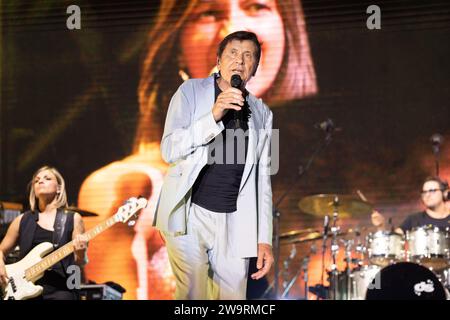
(406, 281)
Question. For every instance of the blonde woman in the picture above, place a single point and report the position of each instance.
(47, 202)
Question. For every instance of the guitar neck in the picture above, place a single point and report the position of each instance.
(65, 250)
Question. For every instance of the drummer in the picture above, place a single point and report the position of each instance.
(434, 196)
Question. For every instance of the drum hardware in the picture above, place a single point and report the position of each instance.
(316, 235)
(444, 278)
(363, 278)
(334, 250)
(429, 246)
(348, 260)
(385, 247)
(297, 234)
(286, 265)
(321, 205)
(377, 254)
(285, 273)
(360, 250)
(304, 268)
(321, 145)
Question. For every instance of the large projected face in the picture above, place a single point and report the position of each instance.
(182, 43)
(211, 21)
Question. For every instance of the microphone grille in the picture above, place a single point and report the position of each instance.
(236, 81)
(436, 138)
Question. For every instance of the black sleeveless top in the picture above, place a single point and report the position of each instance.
(31, 234)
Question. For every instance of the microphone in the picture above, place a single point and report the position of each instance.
(236, 82)
(436, 142)
(327, 126)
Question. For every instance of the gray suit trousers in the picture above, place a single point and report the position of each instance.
(202, 262)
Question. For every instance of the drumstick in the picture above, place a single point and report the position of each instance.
(360, 194)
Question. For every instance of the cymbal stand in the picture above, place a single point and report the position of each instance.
(285, 273)
(286, 265)
(334, 248)
(359, 249)
(348, 260)
(324, 246)
(305, 267)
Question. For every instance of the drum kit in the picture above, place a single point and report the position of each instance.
(384, 264)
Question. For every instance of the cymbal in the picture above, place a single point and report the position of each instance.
(83, 213)
(347, 206)
(316, 235)
(295, 233)
(309, 237)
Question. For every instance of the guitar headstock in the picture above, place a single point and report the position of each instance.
(130, 209)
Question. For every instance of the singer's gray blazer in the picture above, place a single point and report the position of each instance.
(188, 131)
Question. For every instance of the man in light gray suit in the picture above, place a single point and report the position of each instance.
(215, 206)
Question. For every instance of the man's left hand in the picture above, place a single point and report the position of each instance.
(264, 262)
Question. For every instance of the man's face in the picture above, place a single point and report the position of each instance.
(432, 195)
(213, 20)
(238, 57)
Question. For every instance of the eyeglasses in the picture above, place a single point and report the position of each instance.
(424, 192)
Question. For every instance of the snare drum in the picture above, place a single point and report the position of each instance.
(385, 248)
(429, 246)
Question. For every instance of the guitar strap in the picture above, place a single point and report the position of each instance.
(59, 227)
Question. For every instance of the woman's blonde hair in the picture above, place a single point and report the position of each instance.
(61, 195)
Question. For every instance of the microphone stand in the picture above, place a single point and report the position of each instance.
(436, 140)
(276, 213)
(436, 152)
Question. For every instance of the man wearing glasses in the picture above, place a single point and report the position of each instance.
(437, 212)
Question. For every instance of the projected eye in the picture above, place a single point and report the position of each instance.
(257, 8)
(208, 16)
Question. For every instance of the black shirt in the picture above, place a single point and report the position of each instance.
(52, 279)
(217, 186)
(421, 219)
